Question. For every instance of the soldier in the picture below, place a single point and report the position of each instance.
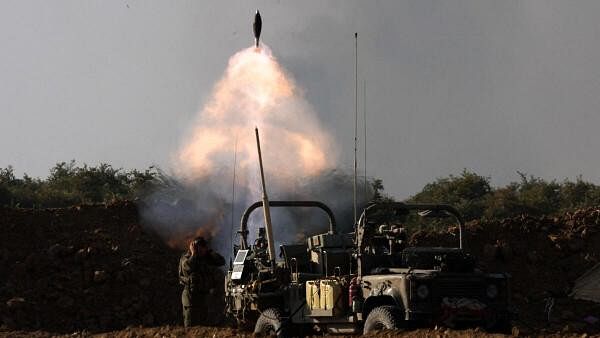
(197, 274)
(259, 249)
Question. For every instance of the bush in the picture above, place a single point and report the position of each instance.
(69, 184)
(466, 192)
(473, 196)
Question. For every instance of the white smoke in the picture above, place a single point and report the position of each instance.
(300, 159)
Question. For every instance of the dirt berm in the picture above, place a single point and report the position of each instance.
(94, 268)
(86, 267)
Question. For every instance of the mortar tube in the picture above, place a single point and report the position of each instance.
(266, 209)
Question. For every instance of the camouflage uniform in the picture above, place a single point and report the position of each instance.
(198, 275)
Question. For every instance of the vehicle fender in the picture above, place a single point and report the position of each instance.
(395, 293)
(387, 296)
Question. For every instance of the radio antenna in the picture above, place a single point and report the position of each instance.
(365, 132)
(355, 120)
(233, 191)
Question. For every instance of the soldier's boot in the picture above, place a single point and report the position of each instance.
(187, 316)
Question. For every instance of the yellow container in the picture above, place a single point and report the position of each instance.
(312, 294)
(331, 292)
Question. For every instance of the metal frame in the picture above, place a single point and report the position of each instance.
(400, 206)
(309, 204)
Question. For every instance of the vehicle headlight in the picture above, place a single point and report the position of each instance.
(422, 291)
(491, 291)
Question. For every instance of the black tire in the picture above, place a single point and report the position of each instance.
(269, 323)
(386, 317)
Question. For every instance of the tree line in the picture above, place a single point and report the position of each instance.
(71, 184)
(473, 195)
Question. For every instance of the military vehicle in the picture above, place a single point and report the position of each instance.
(366, 280)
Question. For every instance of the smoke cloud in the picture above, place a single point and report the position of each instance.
(218, 158)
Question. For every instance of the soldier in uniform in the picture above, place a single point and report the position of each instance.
(261, 245)
(197, 273)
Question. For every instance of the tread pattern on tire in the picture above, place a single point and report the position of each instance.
(387, 316)
(269, 319)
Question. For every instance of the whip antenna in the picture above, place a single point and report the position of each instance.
(233, 191)
(355, 120)
(365, 132)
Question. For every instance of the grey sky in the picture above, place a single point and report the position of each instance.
(492, 86)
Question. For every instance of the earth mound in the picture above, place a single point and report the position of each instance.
(87, 267)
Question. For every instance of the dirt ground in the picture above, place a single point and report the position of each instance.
(199, 331)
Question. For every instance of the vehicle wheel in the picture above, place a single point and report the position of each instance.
(385, 317)
(269, 323)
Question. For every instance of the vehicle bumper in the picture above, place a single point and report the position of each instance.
(440, 314)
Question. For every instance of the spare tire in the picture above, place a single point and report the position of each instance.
(386, 317)
(269, 323)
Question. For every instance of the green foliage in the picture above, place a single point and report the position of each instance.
(579, 194)
(70, 184)
(378, 194)
(474, 197)
(466, 192)
(504, 202)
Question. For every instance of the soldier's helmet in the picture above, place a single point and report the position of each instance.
(200, 241)
(261, 232)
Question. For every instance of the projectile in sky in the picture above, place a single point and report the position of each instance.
(257, 26)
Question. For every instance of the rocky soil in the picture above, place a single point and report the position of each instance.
(86, 267)
(93, 270)
(172, 332)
